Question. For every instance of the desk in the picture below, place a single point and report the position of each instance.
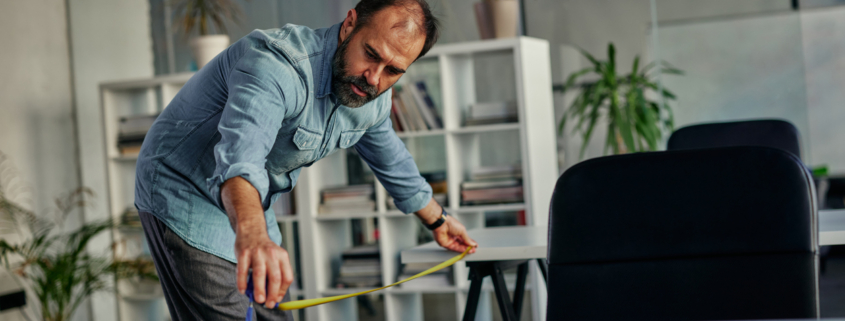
(503, 247)
(831, 227)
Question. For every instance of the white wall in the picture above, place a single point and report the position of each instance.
(36, 114)
(823, 34)
(740, 68)
(110, 41)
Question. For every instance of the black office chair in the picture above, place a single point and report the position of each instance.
(727, 233)
(767, 132)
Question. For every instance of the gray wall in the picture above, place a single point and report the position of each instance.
(36, 127)
(36, 114)
(110, 41)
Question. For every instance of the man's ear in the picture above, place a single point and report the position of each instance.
(348, 24)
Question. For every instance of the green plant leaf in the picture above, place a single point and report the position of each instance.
(590, 57)
(672, 71)
(611, 57)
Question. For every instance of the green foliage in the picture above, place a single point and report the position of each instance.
(199, 13)
(634, 122)
(59, 268)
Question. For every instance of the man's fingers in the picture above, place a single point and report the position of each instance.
(468, 241)
(259, 276)
(243, 273)
(287, 275)
(274, 276)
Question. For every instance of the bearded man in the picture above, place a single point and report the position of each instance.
(237, 134)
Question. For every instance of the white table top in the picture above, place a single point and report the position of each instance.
(831, 227)
(529, 242)
(494, 244)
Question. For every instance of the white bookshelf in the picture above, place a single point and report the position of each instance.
(118, 99)
(451, 73)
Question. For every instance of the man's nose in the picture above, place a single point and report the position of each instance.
(372, 76)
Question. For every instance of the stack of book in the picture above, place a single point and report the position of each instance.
(493, 185)
(413, 109)
(360, 268)
(347, 199)
(492, 113)
(131, 132)
(439, 279)
(437, 180)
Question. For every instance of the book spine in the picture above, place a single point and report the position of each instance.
(399, 114)
(429, 103)
(421, 105)
(403, 109)
(414, 110)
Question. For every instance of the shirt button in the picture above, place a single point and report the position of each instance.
(348, 140)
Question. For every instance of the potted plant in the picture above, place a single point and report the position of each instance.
(635, 122)
(199, 15)
(59, 268)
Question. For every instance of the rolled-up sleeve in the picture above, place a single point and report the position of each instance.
(251, 119)
(393, 165)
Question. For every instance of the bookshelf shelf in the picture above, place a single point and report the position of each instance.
(486, 128)
(456, 76)
(396, 213)
(287, 218)
(344, 216)
(491, 208)
(332, 292)
(436, 132)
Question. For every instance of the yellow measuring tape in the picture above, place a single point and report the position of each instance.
(301, 304)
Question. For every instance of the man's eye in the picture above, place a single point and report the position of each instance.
(371, 55)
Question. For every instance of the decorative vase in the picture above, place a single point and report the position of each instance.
(505, 16)
(207, 47)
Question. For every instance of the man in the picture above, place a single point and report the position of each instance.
(236, 135)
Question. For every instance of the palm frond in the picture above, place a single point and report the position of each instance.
(634, 122)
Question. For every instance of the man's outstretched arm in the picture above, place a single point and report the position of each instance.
(253, 247)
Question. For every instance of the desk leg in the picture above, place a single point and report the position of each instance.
(519, 292)
(474, 294)
(501, 289)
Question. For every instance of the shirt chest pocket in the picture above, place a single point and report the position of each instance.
(348, 138)
(305, 139)
(291, 153)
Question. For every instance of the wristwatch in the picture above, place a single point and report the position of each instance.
(439, 221)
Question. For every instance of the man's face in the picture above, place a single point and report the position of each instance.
(370, 59)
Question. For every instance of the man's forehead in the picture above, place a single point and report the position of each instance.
(395, 30)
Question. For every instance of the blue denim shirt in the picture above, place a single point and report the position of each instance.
(261, 110)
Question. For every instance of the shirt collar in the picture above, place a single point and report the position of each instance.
(323, 68)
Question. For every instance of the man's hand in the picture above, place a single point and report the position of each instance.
(253, 247)
(452, 234)
(268, 261)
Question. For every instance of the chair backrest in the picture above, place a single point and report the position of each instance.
(767, 132)
(727, 233)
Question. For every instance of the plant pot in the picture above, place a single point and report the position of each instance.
(205, 48)
(505, 16)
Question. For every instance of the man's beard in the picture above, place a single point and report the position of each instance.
(341, 83)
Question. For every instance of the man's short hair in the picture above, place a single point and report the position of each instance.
(367, 8)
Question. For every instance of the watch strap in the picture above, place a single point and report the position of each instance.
(438, 222)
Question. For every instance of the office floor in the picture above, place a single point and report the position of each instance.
(832, 284)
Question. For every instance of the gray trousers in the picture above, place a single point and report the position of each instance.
(198, 285)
